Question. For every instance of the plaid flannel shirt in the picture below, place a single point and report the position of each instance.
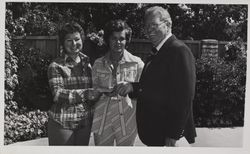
(68, 81)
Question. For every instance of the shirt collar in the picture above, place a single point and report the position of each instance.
(77, 60)
(158, 47)
(125, 58)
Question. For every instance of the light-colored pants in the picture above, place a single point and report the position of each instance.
(60, 136)
(114, 138)
(112, 133)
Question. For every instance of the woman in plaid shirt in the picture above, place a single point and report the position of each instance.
(69, 75)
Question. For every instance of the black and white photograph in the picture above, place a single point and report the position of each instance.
(98, 76)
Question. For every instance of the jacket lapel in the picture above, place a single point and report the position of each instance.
(162, 50)
(167, 44)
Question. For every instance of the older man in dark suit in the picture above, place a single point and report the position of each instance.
(166, 88)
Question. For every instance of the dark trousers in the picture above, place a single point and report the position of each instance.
(60, 136)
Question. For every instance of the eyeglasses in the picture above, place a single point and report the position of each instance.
(153, 26)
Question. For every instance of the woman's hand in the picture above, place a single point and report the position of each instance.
(92, 94)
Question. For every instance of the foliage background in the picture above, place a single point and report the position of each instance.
(220, 88)
(220, 93)
(197, 21)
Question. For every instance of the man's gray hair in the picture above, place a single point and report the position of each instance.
(163, 14)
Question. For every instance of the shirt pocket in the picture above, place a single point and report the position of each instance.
(129, 74)
(104, 79)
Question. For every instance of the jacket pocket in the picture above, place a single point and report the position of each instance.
(104, 79)
(130, 75)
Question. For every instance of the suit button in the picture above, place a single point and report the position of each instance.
(182, 133)
(140, 90)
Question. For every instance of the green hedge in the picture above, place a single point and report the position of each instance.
(24, 125)
(220, 88)
(33, 90)
(21, 123)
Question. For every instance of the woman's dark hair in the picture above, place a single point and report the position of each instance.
(69, 28)
(117, 26)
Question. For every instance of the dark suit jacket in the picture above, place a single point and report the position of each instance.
(165, 94)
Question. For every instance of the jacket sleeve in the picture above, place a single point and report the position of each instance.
(139, 69)
(183, 88)
(59, 92)
(136, 84)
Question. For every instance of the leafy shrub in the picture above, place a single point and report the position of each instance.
(25, 125)
(10, 78)
(234, 50)
(38, 22)
(95, 46)
(20, 123)
(24, 19)
(33, 90)
(96, 38)
(220, 89)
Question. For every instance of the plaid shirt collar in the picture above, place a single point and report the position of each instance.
(72, 62)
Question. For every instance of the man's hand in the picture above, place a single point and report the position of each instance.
(123, 88)
(169, 142)
(111, 94)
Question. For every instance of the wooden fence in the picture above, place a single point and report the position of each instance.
(50, 45)
(141, 47)
(46, 44)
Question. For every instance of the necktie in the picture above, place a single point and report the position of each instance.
(150, 58)
(154, 51)
(152, 54)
